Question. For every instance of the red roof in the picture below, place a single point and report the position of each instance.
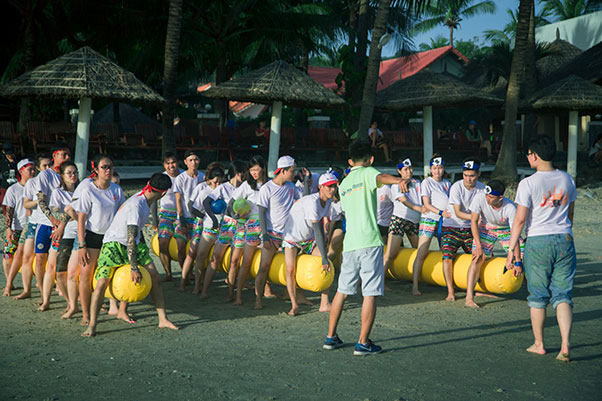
(390, 70)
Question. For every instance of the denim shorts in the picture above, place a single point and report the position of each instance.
(367, 264)
(550, 264)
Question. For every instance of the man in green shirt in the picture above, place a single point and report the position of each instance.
(473, 134)
(362, 246)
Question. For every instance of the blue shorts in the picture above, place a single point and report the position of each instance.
(550, 264)
(43, 242)
(29, 232)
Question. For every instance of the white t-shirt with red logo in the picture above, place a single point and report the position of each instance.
(490, 216)
(184, 185)
(100, 205)
(14, 198)
(461, 196)
(547, 195)
(304, 211)
(413, 196)
(384, 205)
(278, 200)
(437, 192)
(244, 191)
(134, 212)
(59, 199)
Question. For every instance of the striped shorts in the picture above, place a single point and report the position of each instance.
(167, 221)
(305, 247)
(489, 234)
(227, 230)
(427, 227)
(188, 225)
(275, 237)
(454, 238)
(200, 231)
(248, 232)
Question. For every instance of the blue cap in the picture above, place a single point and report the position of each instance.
(472, 122)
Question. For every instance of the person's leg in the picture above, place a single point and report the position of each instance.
(450, 242)
(159, 299)
(15, 263)
(373, 279)
(471, 280)
(188, 264)
(324, 295)
(216, 260)
(235, 256)
(564, 316)
(538, 318)
(200, 262)
(181, 252)
(336, 309)
(39, 271)
(85, 285)
(393, 246)
(336, 245)
(423, 248)
(290, 258)
(165, 257)
(48, 283)
(243, 274)
(167, 220)
(72, 285)
(413, 239)
(26, 268)
(368, 315)
(95, 304)
(262, 275)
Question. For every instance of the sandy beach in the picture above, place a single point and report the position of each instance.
(434, 350)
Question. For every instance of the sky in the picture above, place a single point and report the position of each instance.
(469, 27)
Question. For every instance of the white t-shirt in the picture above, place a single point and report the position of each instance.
(315, 178)
(437, 192)
(245, 191)
(100, 205)
(461, 196)
(304, 211)
(548, 195)
(46, 182)
(223, 191)
(14, 198)
(500, 218)
(199, 194)
(184, 185)
(278, 200)
(168, 201)
(82, 187)
(384, 205)
(59, 198)
(336, 212)
(30, 193)
(413, 196)
(134, 212)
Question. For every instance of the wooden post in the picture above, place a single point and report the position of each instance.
(427, 137)
(83, 136)
(274, 137)
(571, 165)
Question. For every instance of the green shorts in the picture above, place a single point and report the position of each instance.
(113, 254)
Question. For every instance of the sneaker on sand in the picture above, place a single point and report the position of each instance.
(366, 349)
(332, 342)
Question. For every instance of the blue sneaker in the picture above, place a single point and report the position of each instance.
(332, 342)
(367, 349)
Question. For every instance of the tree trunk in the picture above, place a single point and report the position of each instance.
(359, 58)
(170, 73)
(530, 81)
(221, 105)
(28, 59)
(451, 36)
(369, 95)
(505, 168)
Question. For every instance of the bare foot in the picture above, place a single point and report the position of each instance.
(69, 313)
(166, 324)
(450, 297)
(415, 292)
(563, 357)
(238, 302)
(182, 285)
(267, 292)
(303, 301)
(229, 299)
(43, 308)
(65, 310)
(204, 296)
(293, 312)
(167, 278)
(6, 292)
(23, 295)
(113, 311)
(472, 304)
(90, 332)
(126, 318)
(84, 322)
(484, 294)
(536, 349)
(324, 308)
(258, 306)
(196, 291)
(40, 302)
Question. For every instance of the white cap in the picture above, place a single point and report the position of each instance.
(24, 163)
(284, 162)
(328, 179)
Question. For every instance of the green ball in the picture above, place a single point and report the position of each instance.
(241, 206)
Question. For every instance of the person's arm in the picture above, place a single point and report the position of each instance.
(155, 214)
(426, 201)
(43, 205)
(207, 205)
(194, 211)
(388, 179)
(476, 237)
(63, 219)
(517, 227)
(29, 204)
(8, 218)
(132, 250)
(230, 209)
(460, 214)
(410, 205)
(571, 212)
(263, 223)
(84, 256)
(69, 210)
(321, 243)
(179, 205)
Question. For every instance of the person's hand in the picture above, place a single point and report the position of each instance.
(517, 270)
(183, 228)
(477, 253)
(57, 234)
(84, 256)
(510, 261)
(424, 210)
(447, 214)
(55, 222)
(136, 275)
(155, 228)
(304, 172)
(403, 186)
(325, 266)
(10, 235)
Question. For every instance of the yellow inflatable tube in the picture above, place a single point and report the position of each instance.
(173, 247)
(122, 288)
(492, 279)
(310, 276)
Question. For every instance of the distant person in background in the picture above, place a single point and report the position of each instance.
(473, 134)
(377, 140)
(595, 153)
(8, 169)
(262, 132)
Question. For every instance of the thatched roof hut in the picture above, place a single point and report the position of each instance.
(570, 93)
(82, 73)
(431, 89)
(587, 65)
(277, 82)
(561, 53)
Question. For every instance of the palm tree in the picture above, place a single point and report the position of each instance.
(509, 30)
(566, 9)
(451, 12)
(436, 42)
(505, 168)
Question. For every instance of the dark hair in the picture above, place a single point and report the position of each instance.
(497, 185)
(39, 157)
(115, 174)
(256, 161)
(215, 164)
(544, 146)
(434, 156)
(237, 167)
(191, 152)
(60, 145)
(160, 181)
(62, 169)
(215, 171)
(169, 155)
(360, 152)
(476, 160)
(96, 161)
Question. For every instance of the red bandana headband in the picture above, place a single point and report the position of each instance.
(148, 188)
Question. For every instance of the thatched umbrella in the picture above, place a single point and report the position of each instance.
(83, 74)
(426, 90)
(574, 94)
(275, 84)
(561, 53)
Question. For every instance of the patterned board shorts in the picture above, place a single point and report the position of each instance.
(400, 226)
(489, 234)
(113, 254)
(28, 233)
(305, 247)
(10, 247)
(188, 225)
(275, 237)
(454, 238)
(200, 231)
(427, 227)
(167, 222)
(248, 232)
(227, 230)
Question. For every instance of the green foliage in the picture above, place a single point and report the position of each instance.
(565, 9)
